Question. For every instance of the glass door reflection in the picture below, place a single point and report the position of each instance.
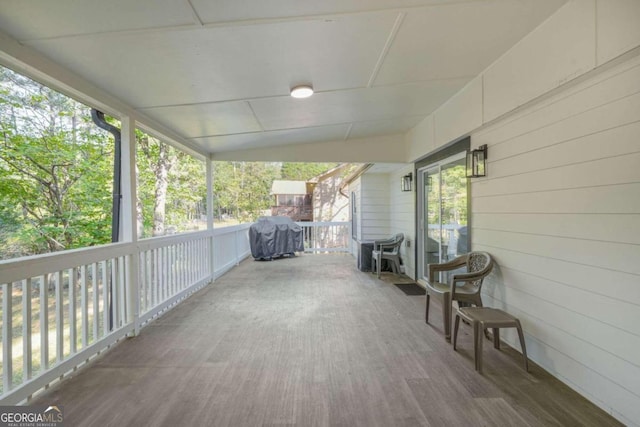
(444, 212)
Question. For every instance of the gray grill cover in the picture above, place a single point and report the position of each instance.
(274, 236)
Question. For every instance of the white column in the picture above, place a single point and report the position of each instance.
(129, 218)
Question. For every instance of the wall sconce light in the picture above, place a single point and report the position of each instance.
(477, 162)
(405, 182)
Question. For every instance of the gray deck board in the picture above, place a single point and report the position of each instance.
(309, 341)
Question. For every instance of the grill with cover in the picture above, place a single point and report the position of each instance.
(275, 236)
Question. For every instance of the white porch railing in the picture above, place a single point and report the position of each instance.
(230, 246)
(60, 310)
(326, 236)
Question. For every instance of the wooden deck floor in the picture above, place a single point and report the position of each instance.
(310, 341)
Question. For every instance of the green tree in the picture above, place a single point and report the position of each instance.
(242, 190)
(304, 171)
(55, 179)
(171, 188)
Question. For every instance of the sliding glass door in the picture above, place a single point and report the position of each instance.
(443, 210)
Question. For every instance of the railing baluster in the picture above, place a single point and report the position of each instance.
(44, 323)
(105, 298)
(149, 281)
(176, 267)
(154, 259)
(201, 256)
(7, 336)
(59, 316)
(141, 281)
(152, 279)
(179, 267)
(122, 291)
(142, 271)
(113, 309)
(165, 273)
(159, 277)
(174, 276)
(158, 267)
(96, 301)
(84, 298)
(167, 254)
(201, 253)
(189, 264)
(72, 310)
(194, 262)
(27, 356)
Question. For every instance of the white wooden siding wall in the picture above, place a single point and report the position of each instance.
(560, 211)
(375, 212)
(402, 215)
(560, 208)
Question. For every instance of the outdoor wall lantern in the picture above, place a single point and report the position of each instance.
(477, 162)
(405, 183)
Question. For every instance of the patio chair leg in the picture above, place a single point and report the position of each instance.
(426, 314)
(446, 313)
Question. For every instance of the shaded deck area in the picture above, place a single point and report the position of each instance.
(310, 341)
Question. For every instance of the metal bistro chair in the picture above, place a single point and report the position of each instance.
(479, 265)
(387, 249)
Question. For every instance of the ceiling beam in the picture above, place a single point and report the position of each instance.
(387, 149)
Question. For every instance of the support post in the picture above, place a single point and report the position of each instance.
(210, 239)
(129, 219)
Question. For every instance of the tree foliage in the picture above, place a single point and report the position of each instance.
(52, 160)
(304, 171)
(242, 190)
(171, 188)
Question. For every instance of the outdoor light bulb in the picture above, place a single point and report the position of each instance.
(302, 91)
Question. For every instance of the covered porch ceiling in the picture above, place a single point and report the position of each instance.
(217, 75)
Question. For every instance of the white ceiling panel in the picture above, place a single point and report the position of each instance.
(459, 39)
(354, 105)
(272, 138)
(207, 119)
(227, 63)
(220, 71)
(233, 10)
(383, 127)
(34, 19)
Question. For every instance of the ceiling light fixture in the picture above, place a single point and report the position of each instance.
(302, 91)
